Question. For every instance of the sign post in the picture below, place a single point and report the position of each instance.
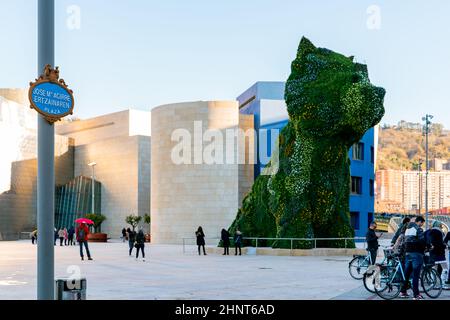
(52, 99)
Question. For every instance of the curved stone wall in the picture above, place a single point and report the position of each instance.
(185, 196)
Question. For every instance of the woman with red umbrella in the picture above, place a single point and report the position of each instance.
(82, 232)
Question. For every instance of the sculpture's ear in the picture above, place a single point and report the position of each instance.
(305, 47)
(359, 67)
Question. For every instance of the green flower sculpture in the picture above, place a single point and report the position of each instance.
(331, 104)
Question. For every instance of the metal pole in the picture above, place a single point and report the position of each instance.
(46, 174)
(426, 173)
(427, 167)
(93, 188)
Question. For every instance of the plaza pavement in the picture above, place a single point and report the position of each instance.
(170, 274)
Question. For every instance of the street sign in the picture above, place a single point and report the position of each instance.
(50, 96)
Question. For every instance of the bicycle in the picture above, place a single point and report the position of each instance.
(389, 280)
(358, 266)
(370, 275)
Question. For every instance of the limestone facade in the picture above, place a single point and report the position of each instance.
(187, 195)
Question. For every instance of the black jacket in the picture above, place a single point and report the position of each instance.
(238, 239)
(226, 238)
(414, 239)
(435, 239)
(200, 238)
(372, 239)
(140, 238)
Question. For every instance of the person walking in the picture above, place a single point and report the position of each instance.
(401, 230)
(55, 236)
(372, 242)
(140, 244)
(415, 246)
(200, 240)
(70, 234)
(226, 242)
(66, 236)
(131, 236)
(33, 236)
(82, 232)
(124, 234)
(237, 242)
(61, 236)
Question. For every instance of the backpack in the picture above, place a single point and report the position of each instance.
(81, 234)
(399, 244)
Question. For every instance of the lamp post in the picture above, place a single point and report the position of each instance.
(427, 119)
(92, 165)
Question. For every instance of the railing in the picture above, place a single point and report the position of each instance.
(313, 240)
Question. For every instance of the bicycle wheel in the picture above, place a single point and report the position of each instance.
(369, 281)
(431, 283)
(387, 286)
(357, 267)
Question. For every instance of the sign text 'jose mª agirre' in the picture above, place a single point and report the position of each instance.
(50, 96)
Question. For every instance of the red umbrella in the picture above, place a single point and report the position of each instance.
(84, 220)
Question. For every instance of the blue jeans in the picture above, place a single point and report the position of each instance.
(413, 265)
(87, 248)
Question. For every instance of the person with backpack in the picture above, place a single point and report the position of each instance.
(131, 235)
(237, 242)
(140, 244)
(225, 235)
(401, 230)
(415, 246)
(82, 232)
(200, 235)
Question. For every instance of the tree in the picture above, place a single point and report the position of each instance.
(148, 220)
(133, 220)
(97, 219)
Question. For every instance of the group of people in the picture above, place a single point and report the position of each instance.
(411, 243)
(67, 238)
(225, 237)
(135, 240)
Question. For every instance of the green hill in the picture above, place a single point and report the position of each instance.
(402, 146)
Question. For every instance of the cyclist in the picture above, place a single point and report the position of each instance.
(401, 230)
(372, 241)
(435, 241)
(446, 240)
(415, 246)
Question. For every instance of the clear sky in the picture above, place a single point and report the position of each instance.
(144, 53)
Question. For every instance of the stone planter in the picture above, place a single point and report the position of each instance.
(97, 237)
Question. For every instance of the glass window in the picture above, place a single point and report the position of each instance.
(354, 220)
(369, 218)
(358, 151)
(356, 185)
(372, 155)
(371, 188)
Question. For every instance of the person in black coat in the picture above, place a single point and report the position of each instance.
(70, 234)
(140, 244)
(226, 242)
(200, 240)
(372, 241)
(435, 242)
